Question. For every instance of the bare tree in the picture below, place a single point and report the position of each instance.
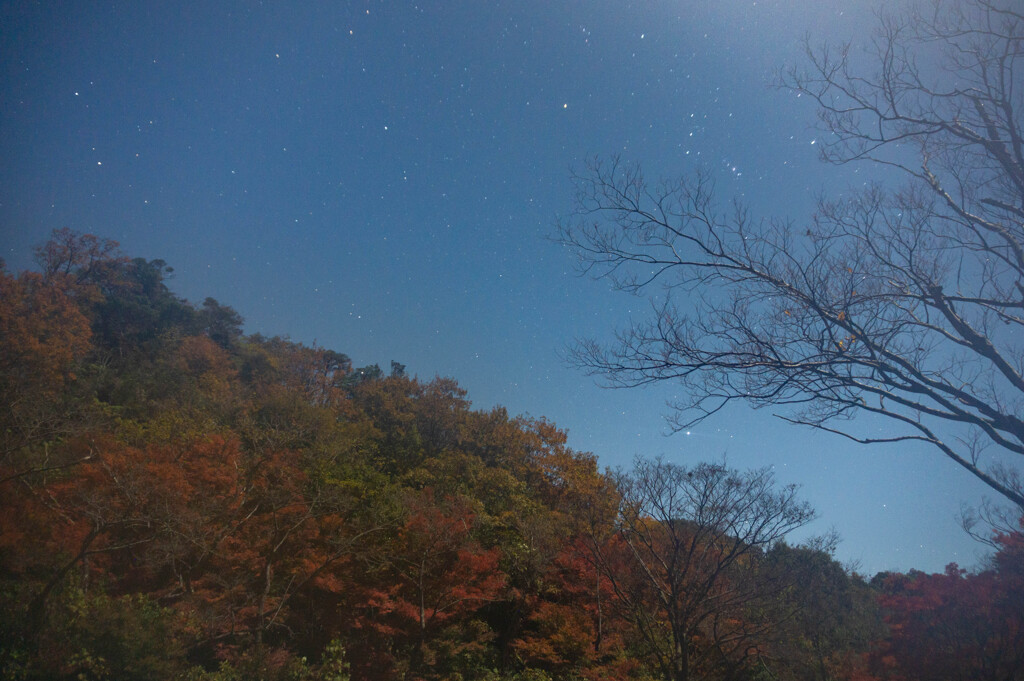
(903, 301)
(684, 560)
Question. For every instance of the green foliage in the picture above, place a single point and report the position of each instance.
(129, 637)
(828, 618)
(331, 667)
(97, 636)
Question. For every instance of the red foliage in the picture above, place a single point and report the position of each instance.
(42, 333)
(957, 625)
(440, 571)
(435, 575)
(571, 623)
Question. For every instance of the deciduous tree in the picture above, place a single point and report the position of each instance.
(825, 619)
(435, 573)
(43, 336)
(684, 559)
(901, 300)
(957, 625)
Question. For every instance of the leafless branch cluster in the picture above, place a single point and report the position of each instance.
(685, 560)
(905, 301)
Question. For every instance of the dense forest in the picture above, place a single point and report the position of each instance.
(181, 500)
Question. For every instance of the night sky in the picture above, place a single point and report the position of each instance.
(383, 178)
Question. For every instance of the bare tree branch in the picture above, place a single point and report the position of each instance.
(901, 301)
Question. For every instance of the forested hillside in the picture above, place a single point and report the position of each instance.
(180, 500)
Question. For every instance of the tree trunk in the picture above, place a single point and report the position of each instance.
(681, 663)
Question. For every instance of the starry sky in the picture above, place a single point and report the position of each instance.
(383, 179)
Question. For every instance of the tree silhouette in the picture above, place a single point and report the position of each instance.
(903, 301)
(684, 560)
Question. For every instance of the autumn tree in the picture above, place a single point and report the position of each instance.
(175, 493)
(83, 258)
(956, 624)
(903, 301)
(44, 335)
(684, 560)
(571, 623)
(435, 574)
(74, 524)
(128, 298)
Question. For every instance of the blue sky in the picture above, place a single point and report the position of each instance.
(382, 178)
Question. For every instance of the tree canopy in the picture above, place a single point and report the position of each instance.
(181, 500)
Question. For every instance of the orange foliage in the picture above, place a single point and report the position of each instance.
(42, 334)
